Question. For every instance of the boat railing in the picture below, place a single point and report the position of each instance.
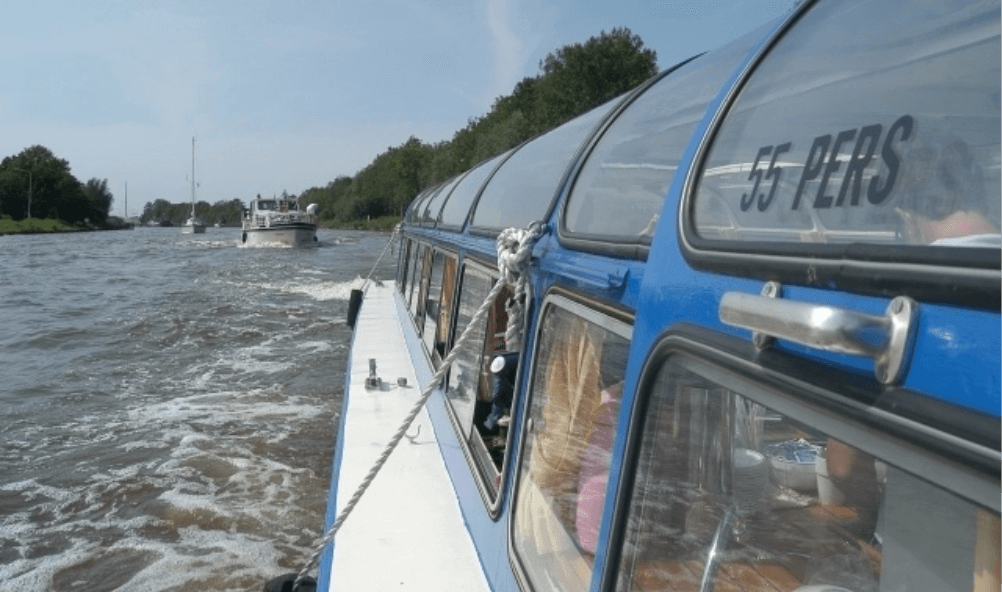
(270, 218)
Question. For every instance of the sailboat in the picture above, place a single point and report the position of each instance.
(193, 225)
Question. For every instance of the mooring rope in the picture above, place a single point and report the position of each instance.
(396, 231)
(514, 248)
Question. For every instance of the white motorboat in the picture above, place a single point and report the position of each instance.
(279, 222)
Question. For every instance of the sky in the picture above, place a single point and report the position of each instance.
(288, 95)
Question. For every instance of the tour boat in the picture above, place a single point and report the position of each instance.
(754, 343)
(279, 222)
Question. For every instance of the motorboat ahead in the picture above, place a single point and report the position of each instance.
(279, 222)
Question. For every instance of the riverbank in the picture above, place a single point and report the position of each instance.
(383, 223)
(37, 226)
(49, 225)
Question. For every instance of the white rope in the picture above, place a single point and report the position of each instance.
(514, 249)
(396, 230)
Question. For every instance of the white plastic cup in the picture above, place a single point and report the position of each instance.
(828, 493)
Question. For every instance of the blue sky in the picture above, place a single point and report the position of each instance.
(287, 95)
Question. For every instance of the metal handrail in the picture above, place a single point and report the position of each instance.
(885, 339)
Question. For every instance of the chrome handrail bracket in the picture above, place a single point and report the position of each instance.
(885, 339)
(891, 364)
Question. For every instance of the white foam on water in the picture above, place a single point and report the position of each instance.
(188, 444)
(320, 291)
(316, 347)
(37, 574)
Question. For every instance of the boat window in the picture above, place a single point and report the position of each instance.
(573, 413)
(422, 277)
(741, 496)
(414, 211)
(266, 204)
(889, 135)
(524, 187)
(430, 210)
(413, 273)
(619, 192)
(480, 388)
(456, 208)
(442, 333)
(433, 295)
(403, 264)
(438, 308)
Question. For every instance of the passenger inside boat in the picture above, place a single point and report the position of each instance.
(574, 410)
(945, 198)
(503, 369)
(787, 505)
(496, 387)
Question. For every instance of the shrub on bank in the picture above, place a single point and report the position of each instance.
(381, 223)
(34, 226)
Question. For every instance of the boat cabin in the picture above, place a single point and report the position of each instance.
(762, 342)
(274, 205)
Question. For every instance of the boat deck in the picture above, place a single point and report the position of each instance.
(407, 531)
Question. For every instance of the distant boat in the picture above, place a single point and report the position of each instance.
(193, 225)
(279, 222)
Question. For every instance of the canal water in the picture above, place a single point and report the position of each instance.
(168, 405)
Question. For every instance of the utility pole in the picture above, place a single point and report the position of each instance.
(29, 187)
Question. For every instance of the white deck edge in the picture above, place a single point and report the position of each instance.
(407, 532)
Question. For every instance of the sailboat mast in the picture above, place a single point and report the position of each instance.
(193, 176)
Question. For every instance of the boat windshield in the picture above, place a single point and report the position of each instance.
(265, 204)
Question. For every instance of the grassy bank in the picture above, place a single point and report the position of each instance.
(382, 223)
(35, 226)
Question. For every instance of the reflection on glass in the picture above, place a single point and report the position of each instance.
(453, 213)
(574, 409)
(890, 135)
(523, 188)
(432, 307)
(465, 375)
(805, 509)
(622, 186)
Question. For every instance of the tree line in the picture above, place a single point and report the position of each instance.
(572, 80)
(36, 184)
(161, 211)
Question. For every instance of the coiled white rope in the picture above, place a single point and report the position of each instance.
(514, 249)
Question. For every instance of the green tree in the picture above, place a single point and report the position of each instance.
(580, 76)
(37, 176)
(99, 198)
(572, 80)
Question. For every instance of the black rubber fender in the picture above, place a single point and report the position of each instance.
(284, 583)
(354, 303)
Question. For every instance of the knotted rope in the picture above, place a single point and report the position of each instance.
(514, 250)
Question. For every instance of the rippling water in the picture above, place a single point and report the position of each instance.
(168, 405)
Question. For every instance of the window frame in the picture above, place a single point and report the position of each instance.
(489, 493)
(430, 350)
(968, 276)
(596, 243)
(441, 223)
(575, 156)
(416, 248)
(419, 288)
(403, 263)
(957, 455)
(604, 315)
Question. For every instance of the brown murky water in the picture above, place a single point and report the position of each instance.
(168, 405)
